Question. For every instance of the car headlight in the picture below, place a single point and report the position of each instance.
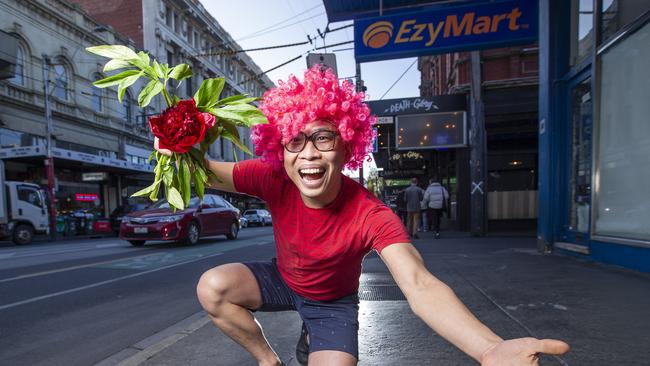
(126, 220)
(171, 218)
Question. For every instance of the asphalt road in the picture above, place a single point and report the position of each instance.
(78, 302)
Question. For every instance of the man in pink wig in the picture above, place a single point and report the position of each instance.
(324, 225)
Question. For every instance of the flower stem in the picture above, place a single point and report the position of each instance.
(168, 98)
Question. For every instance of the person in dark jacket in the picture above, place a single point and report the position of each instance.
(435, 198)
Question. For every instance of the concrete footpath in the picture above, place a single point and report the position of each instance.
(602, 311)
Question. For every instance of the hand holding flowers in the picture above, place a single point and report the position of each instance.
(184, 124)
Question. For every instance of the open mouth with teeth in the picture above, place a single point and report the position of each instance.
(312, 176)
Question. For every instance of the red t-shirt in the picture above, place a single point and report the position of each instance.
(320, 250)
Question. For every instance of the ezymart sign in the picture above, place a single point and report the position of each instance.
(445, 30)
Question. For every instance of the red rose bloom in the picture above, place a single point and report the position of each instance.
(182, 126)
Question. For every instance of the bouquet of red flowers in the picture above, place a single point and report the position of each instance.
(184, 124)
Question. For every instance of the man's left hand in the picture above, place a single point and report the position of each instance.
(522, 351)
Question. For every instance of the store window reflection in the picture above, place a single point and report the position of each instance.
(582, 26)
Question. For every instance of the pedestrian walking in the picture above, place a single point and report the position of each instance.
(413, 196)
(436, 199)
(324, 225)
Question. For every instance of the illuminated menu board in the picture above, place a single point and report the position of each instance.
(431, 130)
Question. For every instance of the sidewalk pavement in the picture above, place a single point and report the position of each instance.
(602, 311)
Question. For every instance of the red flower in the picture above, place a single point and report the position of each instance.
(181, 126)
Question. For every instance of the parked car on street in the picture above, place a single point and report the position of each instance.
(119, 212)
(258, 217)
(243, 222)
(213, 216)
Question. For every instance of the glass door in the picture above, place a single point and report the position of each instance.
(577, 217)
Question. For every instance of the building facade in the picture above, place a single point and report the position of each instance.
(509, 87)
(594, 132)
(182, 31)
(98, 146)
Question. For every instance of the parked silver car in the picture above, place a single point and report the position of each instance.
(258, 217)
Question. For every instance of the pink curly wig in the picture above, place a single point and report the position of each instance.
(293, 105)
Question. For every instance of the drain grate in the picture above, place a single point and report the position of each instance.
(380, 293)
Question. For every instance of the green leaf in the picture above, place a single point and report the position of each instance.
(243, 114)
(148, 92)
(174, 198)
(115, 79)
(180, 72)
(145, 191)
(234, 137)
(151, 156)
(168, 176)
(208, 93)
(231, 99)
(116, 64)
(185, 179)
(113, 51)
(199, 185)
(158, 69)
(125, 83)
(144, 57)
(250, 114)
(154, 194)
(242, 101)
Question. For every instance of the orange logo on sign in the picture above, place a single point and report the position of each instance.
(378, 34)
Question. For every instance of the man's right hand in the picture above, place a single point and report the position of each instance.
(156, 145)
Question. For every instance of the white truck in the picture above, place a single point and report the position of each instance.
(23, 210)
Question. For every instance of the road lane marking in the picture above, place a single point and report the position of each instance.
(66, 269)
(100, 246)
(76, 289)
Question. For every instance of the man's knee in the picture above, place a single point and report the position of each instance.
(226, 284)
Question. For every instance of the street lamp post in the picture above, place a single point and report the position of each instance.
(49, 161)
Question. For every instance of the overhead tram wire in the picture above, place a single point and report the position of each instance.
(280, 22)
(229, 52)
(399, 78)
(273, 68)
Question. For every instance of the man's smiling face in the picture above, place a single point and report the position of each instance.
(317, 174)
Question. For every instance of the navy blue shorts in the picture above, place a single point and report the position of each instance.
(332, 325)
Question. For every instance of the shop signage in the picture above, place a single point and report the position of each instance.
(385, 120)
(402, 106)
(18, 152)
(445, 30)
(94, 177)
(86, 197)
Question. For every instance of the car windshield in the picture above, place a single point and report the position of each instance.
(194, 203)
(250, 212)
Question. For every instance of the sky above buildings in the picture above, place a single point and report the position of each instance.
(263, 23)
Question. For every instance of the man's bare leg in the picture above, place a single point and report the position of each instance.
(226, 293)
(331, 358)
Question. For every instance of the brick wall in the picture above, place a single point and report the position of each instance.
(125, 16)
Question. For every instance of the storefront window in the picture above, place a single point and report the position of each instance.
(582, 26)
(617, 13)
(623, 145)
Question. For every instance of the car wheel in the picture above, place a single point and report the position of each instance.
(137, 243)
(234, 231)
(193, 233)
(23, 234)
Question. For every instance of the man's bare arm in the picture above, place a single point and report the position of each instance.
(221, 169)
(438, 306)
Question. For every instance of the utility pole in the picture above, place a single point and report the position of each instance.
(477, 163)
(359, 87)
(49, 161)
